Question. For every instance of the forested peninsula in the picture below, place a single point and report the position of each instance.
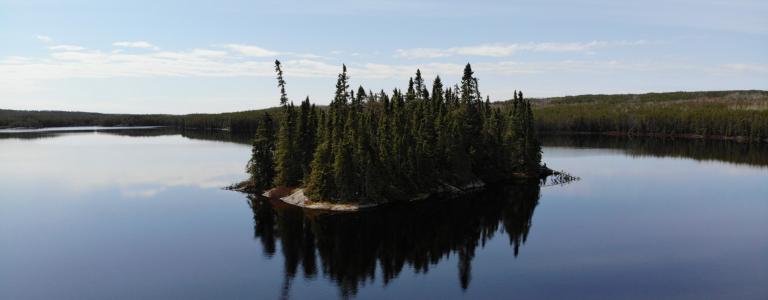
(369, 148)
(736, 115)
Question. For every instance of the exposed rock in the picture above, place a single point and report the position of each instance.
(295, 196)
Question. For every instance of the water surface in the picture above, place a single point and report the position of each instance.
(140, 214)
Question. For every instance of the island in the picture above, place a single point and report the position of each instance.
(369, 148)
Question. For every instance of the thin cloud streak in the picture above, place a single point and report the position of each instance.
(136, 44)
(66, 48)
(503, 50)
(19, 74)
(68, 63)
(44, 39)
(253, 51)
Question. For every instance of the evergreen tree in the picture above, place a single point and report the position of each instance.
(321, 180)
(410, 94)
(437, 95)
(306, 130)
(420, 87)
(344, 166)
(288, 163)
(373, 147)
(281, 84)
(261, 166)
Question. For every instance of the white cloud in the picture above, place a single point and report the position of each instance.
(309, 56)
(756, 68)
(136, 44)
(44, 39)
(66, 48)
(502, 50)
(69, 62)
(423, 53)
(249, 50)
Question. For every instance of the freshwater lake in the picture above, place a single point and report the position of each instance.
(141, 214)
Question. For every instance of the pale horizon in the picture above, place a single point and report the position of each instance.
(176, 58)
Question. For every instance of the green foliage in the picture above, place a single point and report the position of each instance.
(698, 149)
(261, 167)
(305, 135)
(244, 122)
(38, 119)
(373, 147)
(281, 84)
(321, 180)
(289, 154)
(725, 114)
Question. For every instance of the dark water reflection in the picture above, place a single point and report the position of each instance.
(350, 247)
(699, 149)
(207, 135)
(140, 214)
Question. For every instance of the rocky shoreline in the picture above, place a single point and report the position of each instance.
(296, 197)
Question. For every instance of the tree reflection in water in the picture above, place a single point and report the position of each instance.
(351, 246)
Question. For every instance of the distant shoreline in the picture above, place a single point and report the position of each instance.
(73, 129)
(739, 139)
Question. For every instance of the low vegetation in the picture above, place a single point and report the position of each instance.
(723, 114)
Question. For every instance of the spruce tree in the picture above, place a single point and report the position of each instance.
(419, 86)
(373, 147)
(320, 185)
(410, 95)
(281, 84)
(288, 164)
(261, 166)
(344, 165)
(305, 136)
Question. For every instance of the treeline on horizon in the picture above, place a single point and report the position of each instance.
(40, 119)
(237, 122)
(720, 114)
(376, 147)
(715, 114)
(753, 154)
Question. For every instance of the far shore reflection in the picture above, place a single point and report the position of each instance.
(698, 149)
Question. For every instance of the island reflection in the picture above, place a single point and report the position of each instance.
(351, 246)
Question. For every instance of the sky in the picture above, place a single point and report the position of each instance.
(178, 56)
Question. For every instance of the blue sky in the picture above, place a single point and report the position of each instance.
(191, 56)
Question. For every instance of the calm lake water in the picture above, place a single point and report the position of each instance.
(140, 214)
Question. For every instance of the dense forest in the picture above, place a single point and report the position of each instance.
(723, 114)
(39, 119)
(237, 122)
(739, 115)
(376, 147)
(753, 154)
